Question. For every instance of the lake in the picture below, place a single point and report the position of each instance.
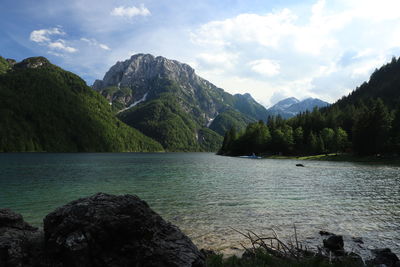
(205, 194)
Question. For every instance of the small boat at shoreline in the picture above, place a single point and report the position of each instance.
(253, 156)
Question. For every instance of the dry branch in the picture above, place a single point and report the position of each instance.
(274, 245)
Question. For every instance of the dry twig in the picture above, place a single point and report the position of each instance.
(281, 249)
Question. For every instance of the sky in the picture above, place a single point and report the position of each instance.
(272, 49)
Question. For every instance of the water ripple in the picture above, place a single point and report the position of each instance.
(206, 194)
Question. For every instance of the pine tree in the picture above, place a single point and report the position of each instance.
(328, 136)
(298, 137)
(371, 129)
(312, 143)
(340, 140)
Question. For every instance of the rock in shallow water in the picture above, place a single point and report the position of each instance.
(334, 243)
(384, 257)
(107, 230)
(20, 243)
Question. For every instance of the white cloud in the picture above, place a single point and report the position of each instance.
(373, 10)
(274, 29)
(43, 35)
(87, 40)
(364, 68)
(223, 60)
(265, 67)
(94, 42)
(61, 46)
(130, 12)
(324, 50)
(105, 47)
(56, 54)
(266, 30)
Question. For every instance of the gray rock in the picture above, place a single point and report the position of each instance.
(323, 233)
(107, 230)
(32, 63)
(20, 244)
(334, 243)
(384, 257)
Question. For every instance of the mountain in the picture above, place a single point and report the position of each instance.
(290, 107)
(281, 107)
(307, 104)
(45, 108)
(167, 101)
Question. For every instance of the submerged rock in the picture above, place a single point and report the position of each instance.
(334, 243)
(323, 233)
(107, 230)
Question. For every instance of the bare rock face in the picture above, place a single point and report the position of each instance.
(144, 74)
(20, 243)
(107, 230)
(32, 63)
(140, 68)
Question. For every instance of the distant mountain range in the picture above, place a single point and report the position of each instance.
(166, 105)
(291, 106)
(166, 100)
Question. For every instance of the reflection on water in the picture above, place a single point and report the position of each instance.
(205, 194)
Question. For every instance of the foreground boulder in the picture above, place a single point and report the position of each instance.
(20, 243)
(384, 257)
(107, 230)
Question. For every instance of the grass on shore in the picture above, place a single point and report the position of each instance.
(263, 259)
(344, 157)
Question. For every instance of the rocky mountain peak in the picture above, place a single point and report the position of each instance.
(291, 106)
(285, 103)
(144, 77)
(32, 63)
(142, 68)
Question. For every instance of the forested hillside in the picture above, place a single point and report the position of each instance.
(366, 122)
(44, 108)
(163, 119)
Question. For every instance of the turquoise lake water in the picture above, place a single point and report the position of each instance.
(205, 194)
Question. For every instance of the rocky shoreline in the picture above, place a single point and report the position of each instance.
(108, 230)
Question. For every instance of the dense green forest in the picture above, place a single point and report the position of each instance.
(366, 122)
(224, 121)
(44, 108)
(164, 120)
